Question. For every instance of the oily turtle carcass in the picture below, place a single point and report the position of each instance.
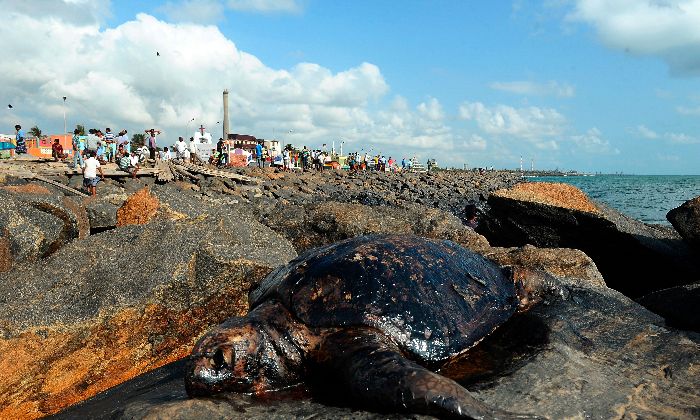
(375, 315)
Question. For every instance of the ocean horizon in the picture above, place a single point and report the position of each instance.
(647, 198)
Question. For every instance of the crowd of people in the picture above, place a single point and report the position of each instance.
(101, 147)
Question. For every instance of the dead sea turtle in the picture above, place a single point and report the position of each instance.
(373, 315)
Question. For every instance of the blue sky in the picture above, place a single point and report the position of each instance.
(589, 85)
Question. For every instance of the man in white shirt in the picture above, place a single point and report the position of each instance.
(180, 148)
(90, 169)
(165, 154)
(193, 151)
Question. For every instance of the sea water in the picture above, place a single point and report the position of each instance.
(643, 197)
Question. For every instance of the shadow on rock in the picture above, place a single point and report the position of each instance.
(505, 351)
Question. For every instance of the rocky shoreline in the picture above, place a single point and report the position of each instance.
(111, 291)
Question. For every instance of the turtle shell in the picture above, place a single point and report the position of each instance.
(434, 298)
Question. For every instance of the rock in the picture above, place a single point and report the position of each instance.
(678, 305)
(570, 266)
(633, 257)
(76, 224)
(112, 306)
(586, 352)
(102, 210)
(26, 233)
(686, 220)
(140, 208)
(319, 224)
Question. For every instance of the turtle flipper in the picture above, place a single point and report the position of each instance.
(372, 372)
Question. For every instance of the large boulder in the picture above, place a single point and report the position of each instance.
(570, 266)
(634, 258)
(117, 304)
(314, 225)
(686, 220)
(586, 352)
(34, 223)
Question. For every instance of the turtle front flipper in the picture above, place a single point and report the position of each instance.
(366, 368)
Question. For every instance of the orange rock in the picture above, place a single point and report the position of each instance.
(138, 209)
(553, 194)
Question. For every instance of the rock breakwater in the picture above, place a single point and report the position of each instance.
(96, 292)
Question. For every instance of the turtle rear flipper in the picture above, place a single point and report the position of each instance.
(372, 372)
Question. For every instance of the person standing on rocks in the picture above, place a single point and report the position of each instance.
(151, 137)
(20, 145)
(221, 151)
(286, 160)
(305, 159)
(90, 169)
(193, 152)
(123, 140)
(78, 147)
(180, 149)
(110, 145)
(259, 155)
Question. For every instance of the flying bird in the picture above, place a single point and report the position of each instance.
(157, 54)
(9, 106)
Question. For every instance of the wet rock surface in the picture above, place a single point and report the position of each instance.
(634, 258)
(686, 220)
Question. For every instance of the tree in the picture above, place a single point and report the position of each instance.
(81, 129)
(137, 140)
(289, 147)
(35, 131)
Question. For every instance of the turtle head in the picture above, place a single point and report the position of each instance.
(245, 355)
(531, 286)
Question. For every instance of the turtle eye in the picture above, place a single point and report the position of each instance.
(218, 359)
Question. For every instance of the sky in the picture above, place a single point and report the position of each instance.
(586, 85)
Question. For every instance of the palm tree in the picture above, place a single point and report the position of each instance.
(35, 131)
(137, 140)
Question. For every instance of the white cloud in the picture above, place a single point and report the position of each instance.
(670, 137)
(266, 6)
(474, 142)
(646, 132)
(681, 138)
(593, 142)
(194, 11)
(530, 123)
(683, 110)
(665, 28)
(551, 88)
(113, 78)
